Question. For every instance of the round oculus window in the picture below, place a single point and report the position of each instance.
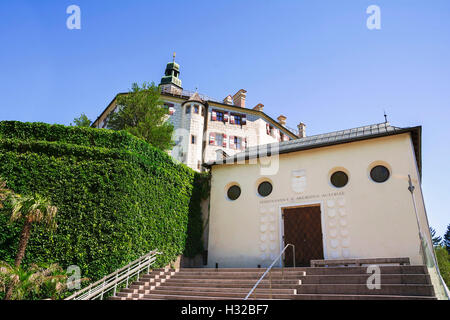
(380, 174)
(234, 192)
(265, 188)
(339, 179)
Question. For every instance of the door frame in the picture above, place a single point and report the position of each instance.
(297, 205)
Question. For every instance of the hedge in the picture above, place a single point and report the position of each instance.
(117, 197)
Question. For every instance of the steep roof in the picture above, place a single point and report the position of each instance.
(195, 97)
(329, 139)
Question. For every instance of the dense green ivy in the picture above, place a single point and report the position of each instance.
(117, 197)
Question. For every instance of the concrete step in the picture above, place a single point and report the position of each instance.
(296, 297)
(260, 271)
(362, 289)
(230, 282)
(216, 285)
(235, 275)
(358, 297)
(126, 296)
(419, 269)
(387, 269)
(362, 279)
(212, 290)
(207, 294)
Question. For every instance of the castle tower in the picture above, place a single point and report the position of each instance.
(193, 117)
(170, 82)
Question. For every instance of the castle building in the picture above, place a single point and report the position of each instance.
(206, 129)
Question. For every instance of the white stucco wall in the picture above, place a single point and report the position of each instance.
(364, 219)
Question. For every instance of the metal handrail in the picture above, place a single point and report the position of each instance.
(111, 281)
(270, 268)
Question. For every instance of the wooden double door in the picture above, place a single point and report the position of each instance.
(303, 228)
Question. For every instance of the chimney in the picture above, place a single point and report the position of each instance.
(228, 100)
(301, 130)
(259, 107)
(282, 120)
(239, 98)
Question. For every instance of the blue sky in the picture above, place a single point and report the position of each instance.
(313, 61)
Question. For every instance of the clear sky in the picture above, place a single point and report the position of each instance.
(313, 61)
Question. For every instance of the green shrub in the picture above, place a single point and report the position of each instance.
(117, 197)
(443, 259)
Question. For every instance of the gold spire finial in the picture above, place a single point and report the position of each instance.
(174, 55)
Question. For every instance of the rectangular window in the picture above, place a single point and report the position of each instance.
(239, 119)
(238, 142)
(219, 139)
(196, 109)
(170, 107)
(192, 139)
(217, 115)
(188, 109)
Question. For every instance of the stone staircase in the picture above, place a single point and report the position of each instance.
(398, 282)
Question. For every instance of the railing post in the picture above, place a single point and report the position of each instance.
(115, 285)
(270, 282)
(103, 288)
(293, 253)
(139, 270)
(128, 275)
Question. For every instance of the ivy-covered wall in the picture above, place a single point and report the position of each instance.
(117, 197)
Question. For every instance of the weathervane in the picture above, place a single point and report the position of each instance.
(385, 117)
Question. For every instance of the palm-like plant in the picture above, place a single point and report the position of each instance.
(23, 283)
(31, 209)
(4, 192)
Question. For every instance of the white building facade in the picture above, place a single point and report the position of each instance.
(205, 129)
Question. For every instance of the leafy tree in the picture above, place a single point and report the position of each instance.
(446, 241)
(142, 113)
(437, 240)
(82, 121)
